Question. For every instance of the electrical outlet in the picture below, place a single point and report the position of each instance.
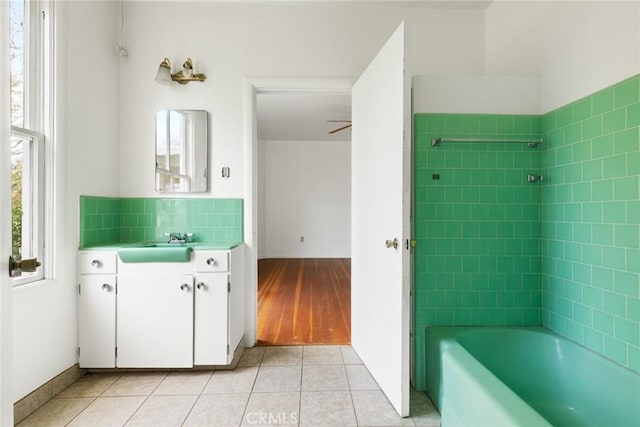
(301, 239)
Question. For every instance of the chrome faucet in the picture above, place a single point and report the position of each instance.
(179, 237)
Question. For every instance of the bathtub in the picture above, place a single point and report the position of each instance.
(525, 376)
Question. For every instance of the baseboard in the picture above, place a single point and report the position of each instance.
(34, 400)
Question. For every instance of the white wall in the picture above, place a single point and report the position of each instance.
(87, 73)
(307, 192)
(231, 41)
(577, 48)
(476, 94)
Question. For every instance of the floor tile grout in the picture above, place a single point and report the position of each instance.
(305, 356)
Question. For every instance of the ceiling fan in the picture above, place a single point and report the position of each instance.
(340, 128)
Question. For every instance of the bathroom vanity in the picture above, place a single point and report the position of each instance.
(160, 314)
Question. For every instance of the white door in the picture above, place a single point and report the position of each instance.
(6, 398)
(380, 212)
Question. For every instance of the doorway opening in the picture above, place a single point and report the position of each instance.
(304, 218)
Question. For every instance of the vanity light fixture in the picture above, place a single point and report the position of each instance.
(184, 76)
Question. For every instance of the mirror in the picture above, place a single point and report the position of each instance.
(181, 151)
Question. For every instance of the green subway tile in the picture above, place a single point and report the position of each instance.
(592, 297)
(453, 123)
(603, 322)
(582, 109)
(627, 92)
(573, 173)
(614, 303)
(487, 124)
(564, 116)
(592, 127)
(614, 212)
(573, 133)
(626, 283)
(602, 101)
(614, 121)
(470, 123)
(627, 331)
(633, 115)
(602, 278)
(615, 166)
(523, 124)
(602, 190)
(581, 151)
(633, 163)
(435, 123)
(593, 340)
(592, 170)
(626, 188)
(633, 309)
(626, 141)
(420, 123)
(505, 124)
(592, 255)
(615, 349)
(633, 260)
(614, 258)
(626, 235)
(602, 146)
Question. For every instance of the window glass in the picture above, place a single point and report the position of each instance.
(17, 57)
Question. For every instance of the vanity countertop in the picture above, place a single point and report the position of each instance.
(220, 246)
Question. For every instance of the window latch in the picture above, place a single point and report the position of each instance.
(28, 265)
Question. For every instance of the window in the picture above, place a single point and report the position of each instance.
(30, 100)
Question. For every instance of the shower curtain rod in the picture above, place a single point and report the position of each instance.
(530, 143)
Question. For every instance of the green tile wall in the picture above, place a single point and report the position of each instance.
(564, 253)
(114, 220)
(99, 220)
(591, 217)
(478, 226)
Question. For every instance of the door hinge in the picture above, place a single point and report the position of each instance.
(410, 243)
(116, 352)
(228, 287)
(78, 352)
(79, 289)
(228, 349)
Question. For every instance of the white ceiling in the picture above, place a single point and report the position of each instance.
(302, 116)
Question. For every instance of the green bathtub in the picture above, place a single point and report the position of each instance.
(525, 376)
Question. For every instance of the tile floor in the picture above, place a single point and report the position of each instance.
(306, 386)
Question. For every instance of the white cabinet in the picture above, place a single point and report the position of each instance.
(97, 309)
(219, 313)
(155, 321)
(160, 315)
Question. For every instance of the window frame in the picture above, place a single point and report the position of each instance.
(38, 120)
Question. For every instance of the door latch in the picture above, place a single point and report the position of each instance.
(28, 265)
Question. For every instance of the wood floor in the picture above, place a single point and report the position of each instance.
(304, 301)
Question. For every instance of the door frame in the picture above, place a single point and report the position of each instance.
(252, 87)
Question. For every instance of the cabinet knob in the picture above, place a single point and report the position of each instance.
(106, 287)
(201, 285)
(95, 263)
(184, 287)
(211, 262)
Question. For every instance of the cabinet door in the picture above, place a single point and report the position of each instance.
(236, 296)
(210, 320)
(97, 321)
(155, 321)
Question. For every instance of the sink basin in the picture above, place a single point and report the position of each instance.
(156, 252)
